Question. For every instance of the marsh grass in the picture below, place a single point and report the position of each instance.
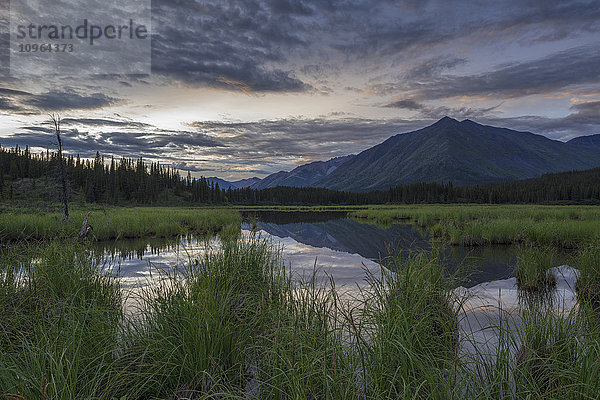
(414, 339)
(234, 324)
(533, 269)
(474, 225)
(194, 332)
(117, 223)
(304, 353)
(588, 284)
(539, 353)
(557, 356)
(548, 350)
(59, 319)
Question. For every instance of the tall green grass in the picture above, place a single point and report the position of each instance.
(539, 354)
(195, 332)
(303, 353)
(559, 226)
(412, 343)
(588, 284)
(117, 223)
(234, 323)
(558, 355)
(59, 322)
(534, 268)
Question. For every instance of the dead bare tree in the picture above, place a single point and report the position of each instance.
(63, 172)
(85, 228)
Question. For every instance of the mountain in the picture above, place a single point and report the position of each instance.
(591, 140)
(465, 153)
(223, 184)
(305, 175)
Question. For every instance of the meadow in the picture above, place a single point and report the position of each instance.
(472, 225)
(115, 223)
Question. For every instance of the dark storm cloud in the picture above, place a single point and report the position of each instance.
(7, 104)
(59, 100)
(583, 121)
(9, 100)
(73, 141)
(13, 92)
(394, 27)
(291, 7)
(406, 104)
(226, 43)
(557, 71)
(308, 138)
(129, 142)
(432, 67)
(37, 129)
(20, 102)
(588, 110)
(103, 122)
(576, 66)
(432, 112)
(252, 44)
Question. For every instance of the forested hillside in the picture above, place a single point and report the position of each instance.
(25, 176)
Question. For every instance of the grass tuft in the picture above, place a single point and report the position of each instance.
(533, 270)
(587, 262)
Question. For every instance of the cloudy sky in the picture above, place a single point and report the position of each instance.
(243, 88)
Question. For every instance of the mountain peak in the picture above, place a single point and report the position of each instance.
(446, 121)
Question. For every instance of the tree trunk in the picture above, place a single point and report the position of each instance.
(61, 161)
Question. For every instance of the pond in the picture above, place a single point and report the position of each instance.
(344, 249)
(331, 241)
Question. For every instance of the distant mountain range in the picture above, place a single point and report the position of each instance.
(223, 184)
(462, 152)
(305, 175)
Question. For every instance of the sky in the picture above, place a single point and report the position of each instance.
(244, 88)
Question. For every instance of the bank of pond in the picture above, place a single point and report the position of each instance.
(460, 225)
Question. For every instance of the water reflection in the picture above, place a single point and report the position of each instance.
(346, 250)
(337, 242)
(377, 243)
(487, 306)
(138, 262)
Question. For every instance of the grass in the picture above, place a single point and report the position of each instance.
(533, 269)
(557, 356)
(588, 285)
(414, 339)
(59, 324)
(559, 226)
(302, 352)
(116, 223)
(233, 323)
(196, 329)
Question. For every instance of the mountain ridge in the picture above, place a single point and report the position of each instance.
(239, 184)
(462, 152)
(589, 140)
(304, 175)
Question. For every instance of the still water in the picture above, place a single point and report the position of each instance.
(346, 250)
(339, 246)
